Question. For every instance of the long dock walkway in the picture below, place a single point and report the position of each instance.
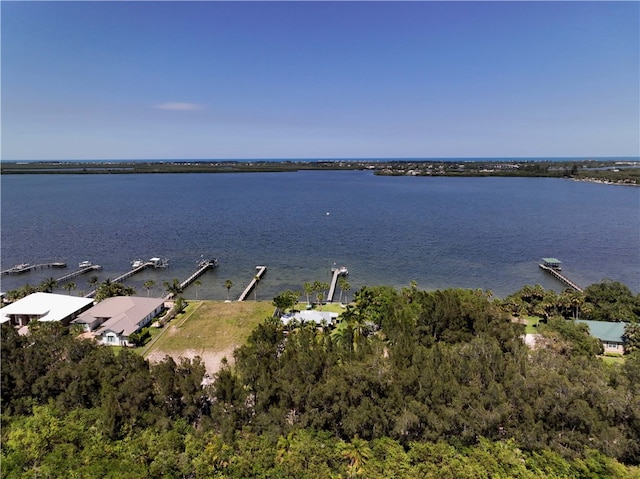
(337, 272)
(558, 275)
(122, 277)
(254, 281)
(203, 266)
(67, 277)
(128, 274)
(23, 268)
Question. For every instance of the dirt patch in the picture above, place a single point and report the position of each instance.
(212, 359)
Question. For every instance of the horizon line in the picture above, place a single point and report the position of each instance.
(315, 159)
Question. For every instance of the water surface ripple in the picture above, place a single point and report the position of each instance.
(442, 232)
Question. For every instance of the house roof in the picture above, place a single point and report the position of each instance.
(310, 316)
(605, 330)
(124, 313)
(49, 306)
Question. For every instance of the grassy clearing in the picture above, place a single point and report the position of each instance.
(532, 323)
(612, 358)
(212, 326)
(331, 307)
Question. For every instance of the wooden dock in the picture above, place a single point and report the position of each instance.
(128, 274)
(337, 272)
(67, 277)
(25, 267)
(122, 277)
(562, 278)
(254, 281)
(203, 266)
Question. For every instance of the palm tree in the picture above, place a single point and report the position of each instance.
(320, 299)
(308, 288)
(320, 287)
(228, 284)
(357, 453)
(148, 285)
(69, 286)
(47, 285)
(197, 283)
(93, 281)
(576, 301)
(109, 289)
(344, 286)
(342, 334)
(173, 288)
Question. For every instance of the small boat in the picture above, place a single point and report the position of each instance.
(84, 264)
(208, 261)
(137, 263)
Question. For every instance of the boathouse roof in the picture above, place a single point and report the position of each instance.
(551, 260)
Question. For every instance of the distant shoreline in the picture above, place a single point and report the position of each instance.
(605, 171)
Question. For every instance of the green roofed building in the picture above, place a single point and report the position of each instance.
(610, 334)
(554, 263)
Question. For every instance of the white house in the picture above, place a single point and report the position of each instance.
(44, 307)
(310, 316)
(114, 319)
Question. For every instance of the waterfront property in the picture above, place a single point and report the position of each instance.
(310, 316)
(610, 334)
(113, 320)
(44, 307)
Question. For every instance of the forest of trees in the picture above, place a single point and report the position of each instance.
(408, 384)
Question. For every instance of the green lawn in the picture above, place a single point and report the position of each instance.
(531, 327)
(612, 359)
(211, 326)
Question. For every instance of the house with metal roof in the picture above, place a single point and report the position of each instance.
(44, 307)
(114, 319)
(610, 334)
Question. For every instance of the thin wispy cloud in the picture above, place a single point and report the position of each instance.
(178, 106)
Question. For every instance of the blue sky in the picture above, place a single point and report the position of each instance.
(164, 80)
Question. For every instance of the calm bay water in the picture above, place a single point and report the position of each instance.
(487, 233)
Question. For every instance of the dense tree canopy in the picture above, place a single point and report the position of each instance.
(424, 384)
(604, 301)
